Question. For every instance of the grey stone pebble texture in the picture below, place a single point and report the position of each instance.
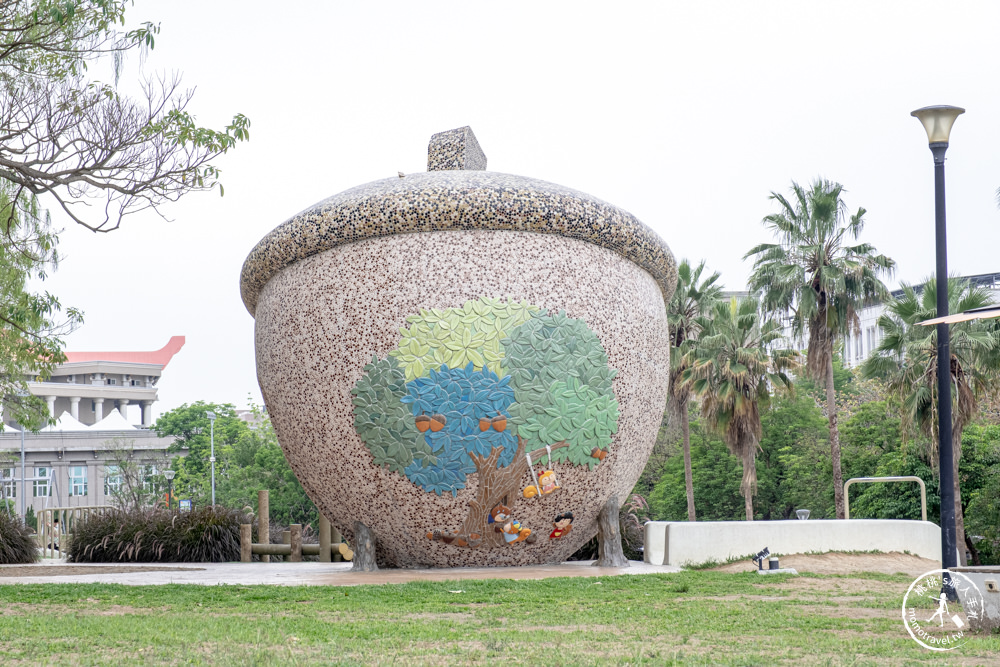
(455, 149)
(333, 286)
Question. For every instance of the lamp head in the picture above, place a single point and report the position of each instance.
(169, 474)
(210, 415)
(937, 121)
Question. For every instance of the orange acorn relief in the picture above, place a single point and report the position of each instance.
(438, 422)
(423, 423)
(499, 423)
(484, 424)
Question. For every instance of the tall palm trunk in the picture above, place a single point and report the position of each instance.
(749, 485)
(831, 409)
(688, 475)
(956, 436)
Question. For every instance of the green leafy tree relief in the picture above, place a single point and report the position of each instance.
(455, 336)
(383, 421)
(488, 382)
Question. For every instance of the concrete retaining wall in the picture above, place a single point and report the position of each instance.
(684, 543)
(986, 579)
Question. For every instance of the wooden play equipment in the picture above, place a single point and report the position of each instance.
(331, 546)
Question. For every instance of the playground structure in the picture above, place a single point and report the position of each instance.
(56, 525)
(904, 478)
(331, 547)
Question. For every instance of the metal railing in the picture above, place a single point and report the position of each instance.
(56, 526)
(905, 478)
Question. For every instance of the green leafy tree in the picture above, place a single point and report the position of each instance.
(819, 275)
(31, 324)
(906, 359)
(795, 468)
(716, 478)
(732, 372)
(192, 430)
(80, 141)
(693, 299)
(81, 145)
(897, 500)
(248, 459)
(255, 461)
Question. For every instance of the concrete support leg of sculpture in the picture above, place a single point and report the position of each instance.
(364, 549)
(609, 536)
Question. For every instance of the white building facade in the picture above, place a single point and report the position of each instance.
(96, 398)
(858, 347)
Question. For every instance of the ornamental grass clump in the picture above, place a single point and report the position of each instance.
(156, 535)
(17, 545)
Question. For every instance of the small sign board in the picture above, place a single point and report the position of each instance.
(185, 506)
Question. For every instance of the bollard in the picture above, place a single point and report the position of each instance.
(246, 543)
(324, 539)
(295, 540)
(263, 521)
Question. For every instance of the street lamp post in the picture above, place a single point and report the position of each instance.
(169, 474)
(24, 495)
(211, 459)
(937, 120)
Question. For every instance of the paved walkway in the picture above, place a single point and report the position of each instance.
(290, 574)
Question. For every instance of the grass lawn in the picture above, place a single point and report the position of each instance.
(689, 618)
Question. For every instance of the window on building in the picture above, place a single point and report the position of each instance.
(78, 480)
(858, 348)
(93, 406)
(40, 487)
(111, 381)
(148, 473)
(9, 485)
(112, 479)
(847, 349)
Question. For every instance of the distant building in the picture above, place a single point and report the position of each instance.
(70, 463)
(858, 347)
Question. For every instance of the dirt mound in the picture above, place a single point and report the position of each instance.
(846, 563)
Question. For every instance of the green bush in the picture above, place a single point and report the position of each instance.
(157, 535)
(17, 546)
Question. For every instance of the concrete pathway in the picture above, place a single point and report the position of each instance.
(290, 574)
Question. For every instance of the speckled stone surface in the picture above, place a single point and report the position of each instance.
(455, 149)
(455, 200)
(321, 317)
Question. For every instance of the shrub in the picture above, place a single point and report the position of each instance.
(17, 546)
(156, 535)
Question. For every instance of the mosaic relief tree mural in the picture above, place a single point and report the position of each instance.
(480, 389)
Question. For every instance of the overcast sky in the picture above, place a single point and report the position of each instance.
(687, 114)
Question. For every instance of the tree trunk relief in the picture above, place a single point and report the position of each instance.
(497, 486)
(609, 536)
(364, 549)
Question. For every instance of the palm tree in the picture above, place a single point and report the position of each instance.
(733, 371)
(821, 282)
(692, 299)
(906, 359)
